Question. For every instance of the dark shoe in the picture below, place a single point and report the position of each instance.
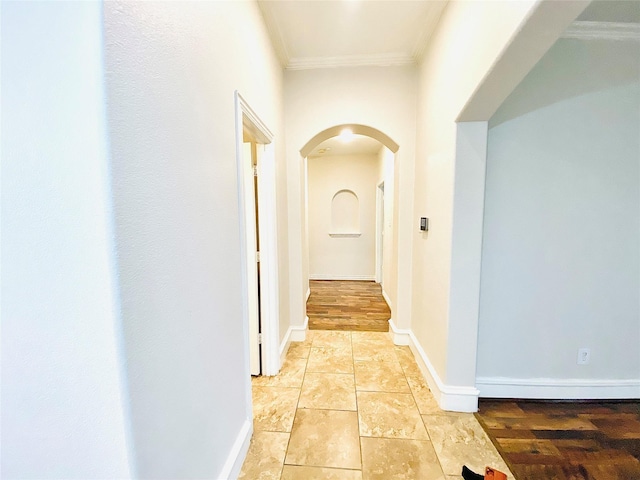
(469, 475)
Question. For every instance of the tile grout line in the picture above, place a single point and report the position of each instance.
(422, 417)
(355, 392)
(296, 410)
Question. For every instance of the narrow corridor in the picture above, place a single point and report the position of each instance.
(352, 405)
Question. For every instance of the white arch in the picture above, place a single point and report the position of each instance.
(356, 129)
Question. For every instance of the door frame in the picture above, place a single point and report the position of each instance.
(247, 119)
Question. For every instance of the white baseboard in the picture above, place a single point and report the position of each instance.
(238, 453)
(299, 332)
(284, 346)
(449, 397)
(399, 336)
(295, 333)
(387, 299)
(341, 277)
(554, 389)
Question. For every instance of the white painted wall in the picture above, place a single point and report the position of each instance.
(173, 68)
(560, 257)
(62, 380)
(383, 98)
(338, 257)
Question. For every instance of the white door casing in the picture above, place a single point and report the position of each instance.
(247, 120)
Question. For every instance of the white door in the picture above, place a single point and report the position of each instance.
(252, 260)
(379, 231)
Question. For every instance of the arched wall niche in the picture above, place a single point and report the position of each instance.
(345, 213)
(356, 129)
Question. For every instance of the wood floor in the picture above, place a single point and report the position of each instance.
(562, 441)
(347, 305)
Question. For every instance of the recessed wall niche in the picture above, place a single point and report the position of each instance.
(345, 214)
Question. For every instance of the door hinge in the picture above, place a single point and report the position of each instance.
(258, 257)
(259, 339)
(255, 170)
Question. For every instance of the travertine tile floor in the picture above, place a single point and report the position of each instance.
(353, 406)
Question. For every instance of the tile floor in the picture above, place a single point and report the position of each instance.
(353, 406)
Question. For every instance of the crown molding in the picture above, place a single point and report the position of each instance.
(376, 60)
(420, 47)
(618, 31)
(273, 29)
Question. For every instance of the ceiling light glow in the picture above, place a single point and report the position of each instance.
(346, 135)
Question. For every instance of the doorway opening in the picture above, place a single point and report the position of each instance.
(256, 197)
(349, 240)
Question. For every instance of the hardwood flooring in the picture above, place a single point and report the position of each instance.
(347, 305)
(565, 441)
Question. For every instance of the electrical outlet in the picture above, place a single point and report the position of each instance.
(584, 354)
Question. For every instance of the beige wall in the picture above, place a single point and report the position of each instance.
(383, 98)
(336, 257)
(449, 74)
(458, 82)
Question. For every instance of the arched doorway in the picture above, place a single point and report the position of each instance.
(348, 225)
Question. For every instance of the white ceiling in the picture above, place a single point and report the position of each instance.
(358, 145)
(330, 33)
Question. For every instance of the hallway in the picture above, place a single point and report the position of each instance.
(352, 405)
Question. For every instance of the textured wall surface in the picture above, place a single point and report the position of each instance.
(62, 394)
(172, 69)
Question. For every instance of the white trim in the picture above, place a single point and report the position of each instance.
(557, 389)
(617, 31)
(275, 34)
(345, 234)
(296, 333)
(308, 295)
(387, 299)
(328, 276)
(238, 453)
(252, 122)
(375, 60)
(299, 332)
(398, 336)
(284, 345)
(449, 397)
(432, 20)
(247, 119)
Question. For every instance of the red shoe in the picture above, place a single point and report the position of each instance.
(491, 474)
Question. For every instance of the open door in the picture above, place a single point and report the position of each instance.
(379, 232)
(253, 256)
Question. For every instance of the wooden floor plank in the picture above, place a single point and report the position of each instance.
(565, 441)
(347, 305)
